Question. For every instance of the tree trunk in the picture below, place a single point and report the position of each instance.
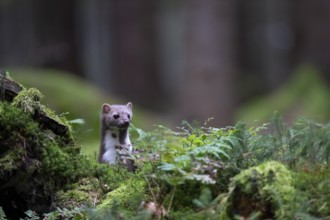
(209, 82)
(313, 34)
(136, 73)
(94, 29)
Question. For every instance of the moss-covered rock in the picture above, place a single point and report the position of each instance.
(264, 191)
(38, 156)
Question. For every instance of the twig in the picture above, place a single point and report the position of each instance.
(172, 196)
(150, 189)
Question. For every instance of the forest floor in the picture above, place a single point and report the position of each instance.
(272, 171)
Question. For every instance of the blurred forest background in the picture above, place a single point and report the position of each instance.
(231, 60)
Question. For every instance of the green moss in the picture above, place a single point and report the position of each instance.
(10, 161)
(266, 190)
(18, 136)
(84, 193)
(28, 100)
(128, 195)
(314, 190)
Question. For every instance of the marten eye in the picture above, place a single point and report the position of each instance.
(115, 116)
(129, 116)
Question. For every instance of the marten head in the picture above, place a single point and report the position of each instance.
(116, 116)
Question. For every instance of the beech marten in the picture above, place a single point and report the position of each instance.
(116, 146)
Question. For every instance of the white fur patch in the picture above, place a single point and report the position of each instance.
(110, 153)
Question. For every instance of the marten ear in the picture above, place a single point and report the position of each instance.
(129, 105)
(106, 108)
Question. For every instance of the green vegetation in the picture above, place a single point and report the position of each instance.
(272, 171)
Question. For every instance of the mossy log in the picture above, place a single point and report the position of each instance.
(9, 89)
(38, 155)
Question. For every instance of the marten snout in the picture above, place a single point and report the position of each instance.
(123, 124)
(126, 123)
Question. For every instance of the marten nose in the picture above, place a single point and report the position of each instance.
(126, 123)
